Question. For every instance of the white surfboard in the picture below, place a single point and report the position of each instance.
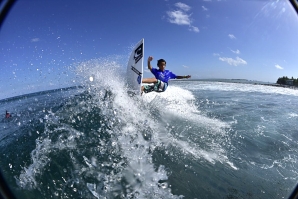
(135, 68)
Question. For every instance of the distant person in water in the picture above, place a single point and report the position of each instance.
(162, 76)
(7, 115)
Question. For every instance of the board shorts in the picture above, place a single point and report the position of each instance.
(159, 86)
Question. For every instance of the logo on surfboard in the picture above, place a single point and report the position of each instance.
(138, 53)
(138, 73)
(135, 70)
(139, 79)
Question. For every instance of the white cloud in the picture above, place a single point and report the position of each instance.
(178, 17)
(233, 62)
(181, 17)
(35, 40)
(216, 54)
(185, 66)
(193, 28)
(232, 36)
(278, 67)
(204, 8)
(236, 51)
(183, 6)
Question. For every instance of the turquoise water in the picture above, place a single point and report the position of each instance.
(199, 139)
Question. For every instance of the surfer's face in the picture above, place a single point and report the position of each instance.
(162, 66)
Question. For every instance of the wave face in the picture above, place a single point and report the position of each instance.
(196, 140)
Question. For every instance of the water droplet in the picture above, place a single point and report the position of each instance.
(164, 185)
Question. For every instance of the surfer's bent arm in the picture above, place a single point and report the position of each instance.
(149, 62)
(183, 77)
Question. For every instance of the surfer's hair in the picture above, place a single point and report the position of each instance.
(161, 60)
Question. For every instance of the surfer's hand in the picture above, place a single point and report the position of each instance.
(150, 58)
(188, 76)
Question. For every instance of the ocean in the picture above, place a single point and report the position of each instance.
(199, 139)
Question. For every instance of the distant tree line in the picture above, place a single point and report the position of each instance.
(283, 80)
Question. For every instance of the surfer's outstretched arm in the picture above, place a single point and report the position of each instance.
(150, 58)
(183, 77)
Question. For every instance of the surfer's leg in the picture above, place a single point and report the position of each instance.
(147, 88)
(149, 80)
(142, 90)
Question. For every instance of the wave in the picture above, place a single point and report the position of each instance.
(247, 88)
(102, 142)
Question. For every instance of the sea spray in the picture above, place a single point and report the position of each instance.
(110, 122)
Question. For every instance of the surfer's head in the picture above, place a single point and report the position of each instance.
(161, 63)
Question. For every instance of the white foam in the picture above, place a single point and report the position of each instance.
(292, 115)
(92, 189)
(223, 86)
(179, 102)
(39, 156)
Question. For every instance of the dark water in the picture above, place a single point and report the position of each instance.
(197, 140)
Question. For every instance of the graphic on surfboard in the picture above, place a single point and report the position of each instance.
(135, 68)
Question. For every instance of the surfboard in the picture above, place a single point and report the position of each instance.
(135, 68)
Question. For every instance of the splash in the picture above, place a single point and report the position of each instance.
(108, 138)
(110, 123)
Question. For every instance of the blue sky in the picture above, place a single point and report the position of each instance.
(42, 41)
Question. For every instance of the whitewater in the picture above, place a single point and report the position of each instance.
(199, 139)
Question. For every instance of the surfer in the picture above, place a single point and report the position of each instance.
(162, 76)
(7, 115)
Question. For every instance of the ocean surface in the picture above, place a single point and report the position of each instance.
(199, 139)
